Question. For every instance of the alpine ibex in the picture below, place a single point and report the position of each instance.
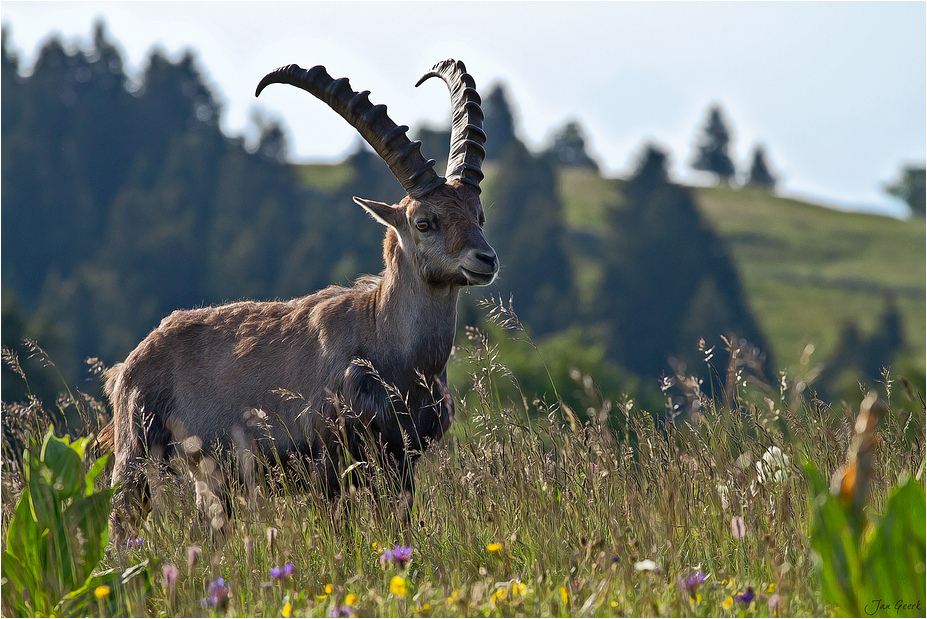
(368, 362)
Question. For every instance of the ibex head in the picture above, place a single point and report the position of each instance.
(438, 225)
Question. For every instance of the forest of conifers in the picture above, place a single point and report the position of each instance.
(123, 201)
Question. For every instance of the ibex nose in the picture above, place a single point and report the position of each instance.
(480, 265)
(488, 257)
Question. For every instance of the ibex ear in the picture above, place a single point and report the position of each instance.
(386, 214)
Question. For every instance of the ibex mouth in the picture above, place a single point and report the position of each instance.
(476, 278)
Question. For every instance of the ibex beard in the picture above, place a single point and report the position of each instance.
(345, 373)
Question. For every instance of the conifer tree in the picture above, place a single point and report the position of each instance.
(11, 83)
(760, 175)
(668, 279)
(569, 147)
(711, 148)
(499, 123)
(862, 355)
(910, 187)
(529, 232)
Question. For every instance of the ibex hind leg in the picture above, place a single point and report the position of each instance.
(132, 498)
(138, 474)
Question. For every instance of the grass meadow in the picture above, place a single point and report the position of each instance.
(527, 508)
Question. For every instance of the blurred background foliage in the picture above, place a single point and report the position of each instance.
(123, 201)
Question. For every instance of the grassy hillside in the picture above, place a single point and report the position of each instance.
(806, 269)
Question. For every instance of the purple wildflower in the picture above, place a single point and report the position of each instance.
(691, 582)
(282, 572)
(774, 602)
(169, 573)
(218, 594)
(400, 555)
(193, 555)
(342, 611)
(738, 528)
(138, 542)
(746, 597)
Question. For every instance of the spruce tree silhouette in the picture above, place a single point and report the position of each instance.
(568, 147)
(711, 147)
(528, 234)
(668, 278)
(498, 123)
(760, 176)
(911, 187)
(863, 356)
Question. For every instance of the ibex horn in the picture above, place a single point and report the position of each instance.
(467, 137)
(404, 157)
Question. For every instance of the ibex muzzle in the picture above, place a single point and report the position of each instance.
(368, 362)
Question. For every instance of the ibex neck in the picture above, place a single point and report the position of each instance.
(415, 319)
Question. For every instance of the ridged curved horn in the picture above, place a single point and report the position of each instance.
(467, 137)
(404, 157)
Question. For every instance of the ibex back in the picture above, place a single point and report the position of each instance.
(368, 363)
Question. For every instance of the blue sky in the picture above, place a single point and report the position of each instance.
(835, 90)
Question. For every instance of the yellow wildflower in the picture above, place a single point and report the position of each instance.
(519, 588)
(565, 595)
(350, 599)
(287, 609)
(614, 604)
(772, 588)
(398, 586)
(328, 589)
(498, 596)
(494, 548)
(101, 592)
(728, 603)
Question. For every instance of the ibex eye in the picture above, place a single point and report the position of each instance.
(423, 225)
